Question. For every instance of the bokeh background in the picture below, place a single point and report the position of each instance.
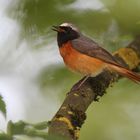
(33, 78)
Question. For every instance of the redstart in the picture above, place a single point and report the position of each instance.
(83, 55)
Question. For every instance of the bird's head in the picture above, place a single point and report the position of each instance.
(66, 32)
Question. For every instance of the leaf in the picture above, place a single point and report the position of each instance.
(2, 106)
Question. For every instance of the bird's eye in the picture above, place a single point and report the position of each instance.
(66, 29)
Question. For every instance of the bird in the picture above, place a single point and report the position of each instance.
(83, 55)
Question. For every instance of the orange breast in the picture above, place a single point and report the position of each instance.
(79, 62)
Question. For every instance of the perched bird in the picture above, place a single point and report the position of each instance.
(83, 55)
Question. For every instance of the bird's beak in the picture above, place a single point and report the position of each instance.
(57, 29)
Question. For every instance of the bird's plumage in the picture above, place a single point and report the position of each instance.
(88, 47)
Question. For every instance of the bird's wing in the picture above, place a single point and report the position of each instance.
(92, 49)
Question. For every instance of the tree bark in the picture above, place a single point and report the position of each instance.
(70, 117)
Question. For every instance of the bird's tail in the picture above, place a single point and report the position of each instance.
(126, 73)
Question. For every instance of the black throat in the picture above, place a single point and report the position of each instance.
(63, 37)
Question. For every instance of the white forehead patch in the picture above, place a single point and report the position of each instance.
(65, 24)
(69, 25)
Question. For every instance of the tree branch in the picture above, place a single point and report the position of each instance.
(70, 117)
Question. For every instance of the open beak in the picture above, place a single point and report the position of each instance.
(57, 29)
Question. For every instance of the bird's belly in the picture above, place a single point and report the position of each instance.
(79, 62)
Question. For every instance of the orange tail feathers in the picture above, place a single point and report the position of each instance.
(126, 73)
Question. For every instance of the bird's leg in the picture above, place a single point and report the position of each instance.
(80, 83)
(83, 81)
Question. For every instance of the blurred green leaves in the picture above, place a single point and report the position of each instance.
(126, 13)
(41, 14)
(33, 131)
(55, 77)
(2, 106)
(4, 136)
